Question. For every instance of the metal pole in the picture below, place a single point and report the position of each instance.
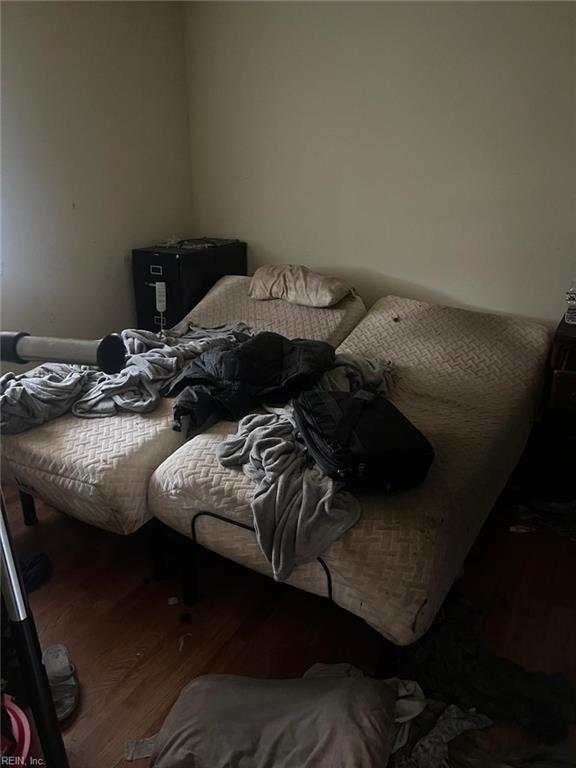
(29, 653)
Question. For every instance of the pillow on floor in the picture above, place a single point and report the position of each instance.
(220, 721)
(298, 285)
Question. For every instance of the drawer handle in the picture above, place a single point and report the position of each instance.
(156, 269)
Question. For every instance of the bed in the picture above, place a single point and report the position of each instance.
(98, 470)
(471, 383)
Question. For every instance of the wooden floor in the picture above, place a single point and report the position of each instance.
(134, 653)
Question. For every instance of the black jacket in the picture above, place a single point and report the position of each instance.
(227, 384)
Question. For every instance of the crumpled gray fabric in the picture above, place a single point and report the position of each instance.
(177, 338)
(298, 510)
(432, 750)
(140, 749)
(31, 398)
(135, 388)
(353, 372)
(155, 359)
(51, 390)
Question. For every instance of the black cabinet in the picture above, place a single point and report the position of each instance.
(188, 269)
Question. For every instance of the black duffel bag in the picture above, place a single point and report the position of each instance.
(362, 439)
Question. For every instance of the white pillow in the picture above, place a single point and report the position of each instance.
(298, 285)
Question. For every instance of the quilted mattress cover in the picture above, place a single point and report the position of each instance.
(228, 301)
(470, 382)
(98, 470)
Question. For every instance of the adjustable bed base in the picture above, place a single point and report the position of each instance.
(471, 383)
(468, 381)
(98, 470)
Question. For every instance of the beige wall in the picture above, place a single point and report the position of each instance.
(426, 149)
(95, 157)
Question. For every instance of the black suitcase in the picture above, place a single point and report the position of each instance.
(362, 439)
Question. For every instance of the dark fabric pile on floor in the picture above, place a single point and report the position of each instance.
(554, 516)
(443, 736)
(35, 570)
(451, 665)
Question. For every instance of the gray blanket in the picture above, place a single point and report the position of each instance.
(298, 510)
(48, 391)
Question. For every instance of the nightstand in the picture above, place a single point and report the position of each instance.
(562, 389)
(546, 471)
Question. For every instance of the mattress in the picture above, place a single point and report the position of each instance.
(98, 470)
(228, 302)
(470, 382)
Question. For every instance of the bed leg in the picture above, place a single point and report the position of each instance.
(157, 555)
(28, 508)
(387, 662)
(188, 568)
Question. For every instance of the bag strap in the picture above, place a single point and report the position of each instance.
(355, 407)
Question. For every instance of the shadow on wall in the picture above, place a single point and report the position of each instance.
(372, 285)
